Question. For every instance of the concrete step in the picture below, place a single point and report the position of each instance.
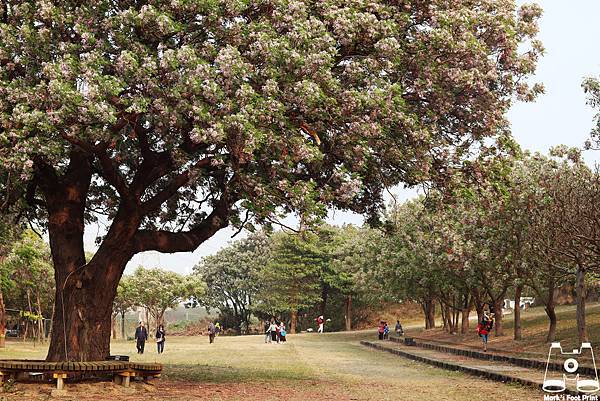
(491, 369)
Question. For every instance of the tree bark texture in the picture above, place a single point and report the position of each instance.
(348, 312)
(429, 311)
(293, 320)
(580, 290)
(517, 313)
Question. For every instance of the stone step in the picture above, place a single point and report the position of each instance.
(492, 369)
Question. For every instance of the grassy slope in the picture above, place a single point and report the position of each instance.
(535, 328)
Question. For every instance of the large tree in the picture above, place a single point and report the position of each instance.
(173, 119)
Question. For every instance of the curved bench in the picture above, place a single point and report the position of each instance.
(122, 370)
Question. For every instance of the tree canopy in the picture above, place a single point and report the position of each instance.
(174, 119)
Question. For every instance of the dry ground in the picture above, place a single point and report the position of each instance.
(308, 367)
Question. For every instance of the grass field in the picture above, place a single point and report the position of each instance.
(332, 366)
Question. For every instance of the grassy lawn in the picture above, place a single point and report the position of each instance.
(308, 367)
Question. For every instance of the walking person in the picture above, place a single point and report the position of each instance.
(386, 331)
(160, 339)
(278, 329)
(141, 335)
(399, 330)
(267, 331)
(484, 328)
(320, 323)
(212, 331)
(282, 332)
(273, 331)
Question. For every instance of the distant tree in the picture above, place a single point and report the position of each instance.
(9, 233)
(123, 303)
(28, 269)
(231, 278)
(158, 290)
(290, 281)
(353, 255)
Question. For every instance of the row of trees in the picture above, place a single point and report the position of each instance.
(528, 224)
(519, 224)
(26, 283)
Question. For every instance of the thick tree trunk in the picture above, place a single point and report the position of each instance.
(552, 327)
(293, 319)
(466, 311)
(85, 292)
(429, 312)
(349, 313)
(517, 313)
(84, 298)
(580, 289)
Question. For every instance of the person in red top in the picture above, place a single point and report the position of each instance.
(320, 322)
(381, 329)
(484, 328)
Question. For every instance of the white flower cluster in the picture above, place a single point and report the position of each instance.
(388, 47)
(212, 134)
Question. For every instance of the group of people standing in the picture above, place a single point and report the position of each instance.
(141, 336)
(275, 332)
(384, 330)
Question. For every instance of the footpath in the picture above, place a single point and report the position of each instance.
(494, 365)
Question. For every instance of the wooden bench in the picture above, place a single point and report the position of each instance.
(122, 371)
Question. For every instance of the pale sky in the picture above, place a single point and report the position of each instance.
(570, 32)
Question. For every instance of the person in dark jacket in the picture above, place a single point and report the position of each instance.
(399, 330)
(212, 331)
(141, 335)
(160, 339)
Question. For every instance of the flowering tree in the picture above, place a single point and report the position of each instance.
(174, 119)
